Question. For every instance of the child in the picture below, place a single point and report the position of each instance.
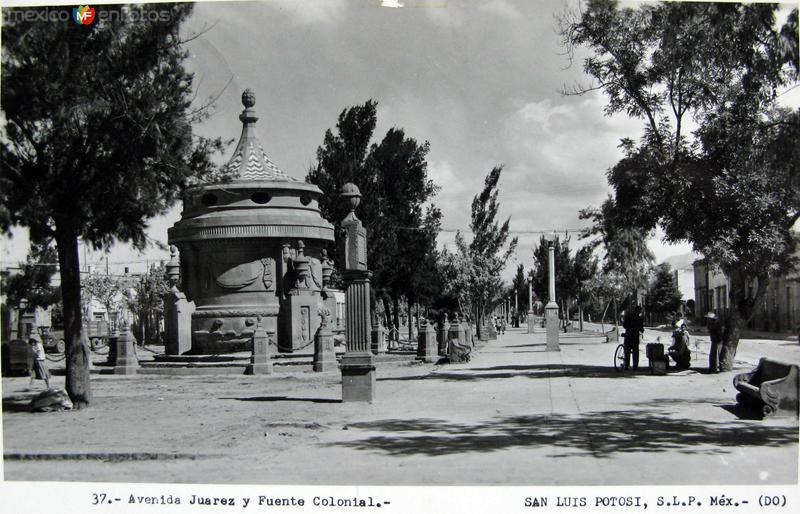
(39, 368)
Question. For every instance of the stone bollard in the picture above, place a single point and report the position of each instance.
(427, 349)
(378, 340)
(324, 354)
(441, 336)
(455, 332)
(260, 361)
(470, 338)
(125, 362)
(462, 331)
(484, 335)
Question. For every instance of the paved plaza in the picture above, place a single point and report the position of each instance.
(514, 415)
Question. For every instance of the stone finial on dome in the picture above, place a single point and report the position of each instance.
(248, 98)
(249, 160)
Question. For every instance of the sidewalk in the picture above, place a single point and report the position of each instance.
(514, 415)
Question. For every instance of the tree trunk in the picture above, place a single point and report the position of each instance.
(78, 357)
(396, 313)
(739, 314)
(410, 322)
(603, 318)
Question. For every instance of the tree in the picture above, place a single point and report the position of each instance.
(475, 267)
(731, 186)
(32, 286)
(393, 179)
(626, 251)
(584, 269)
(98, 138)
(663, 295)
(147, 302)
(108, 290)
(519, 286)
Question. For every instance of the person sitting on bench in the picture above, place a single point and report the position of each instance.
(679, 351)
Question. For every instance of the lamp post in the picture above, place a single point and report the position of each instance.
(551, 309)
(530, 306)
(516, 308)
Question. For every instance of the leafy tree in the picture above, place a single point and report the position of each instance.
(147, 302)
(108, 290)
(32, 285)
(474, 269)
(663, 295)
(584, 269)
(393, 179)
(625, 246)
(731, 186)
(98, 138)
(520, 285)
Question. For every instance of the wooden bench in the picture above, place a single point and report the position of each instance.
(772, 386)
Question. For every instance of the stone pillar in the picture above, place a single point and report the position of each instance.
(551, 309)
(378, 340)
(358, 364)
(427, 349)
(324, 353)
(125, 362)
(463, 330)
(455, 332)
(442, 334)
(260, 359)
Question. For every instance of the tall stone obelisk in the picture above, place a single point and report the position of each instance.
(357, 365)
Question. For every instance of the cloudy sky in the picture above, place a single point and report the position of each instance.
(479, 81)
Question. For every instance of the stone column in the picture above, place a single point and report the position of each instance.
(530, 307)
(125, 362)
(358, 365)
(551, 309)
(260, 359)
(177, 310)
(427, 349)
(324, 353)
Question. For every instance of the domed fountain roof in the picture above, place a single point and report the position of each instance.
(249, 161)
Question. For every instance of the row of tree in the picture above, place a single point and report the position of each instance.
(731, 185)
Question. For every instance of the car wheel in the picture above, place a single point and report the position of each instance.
(61, 346)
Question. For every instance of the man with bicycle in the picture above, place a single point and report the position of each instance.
(634, 328)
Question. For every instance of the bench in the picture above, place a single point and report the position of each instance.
(772, 386)
(658, 361)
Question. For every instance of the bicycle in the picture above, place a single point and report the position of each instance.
(619, 357)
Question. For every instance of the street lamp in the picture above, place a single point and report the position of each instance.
(530, 305)
(551, 309)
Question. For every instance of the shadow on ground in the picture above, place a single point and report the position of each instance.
(282, 399)
(18, 403)
(600, 434)
(533, 371)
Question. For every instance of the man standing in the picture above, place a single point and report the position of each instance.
(715, 334)
(634, 328)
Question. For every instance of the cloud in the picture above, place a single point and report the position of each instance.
(312, 12)
(501, 8)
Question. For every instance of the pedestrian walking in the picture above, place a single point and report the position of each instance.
(503, 326)
(38, 368)
(634, 328)
(715, 334)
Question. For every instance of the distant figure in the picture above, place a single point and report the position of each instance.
(39, 368)
(715, 334)
(634, 328)
(503, 326)
(679, 351)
